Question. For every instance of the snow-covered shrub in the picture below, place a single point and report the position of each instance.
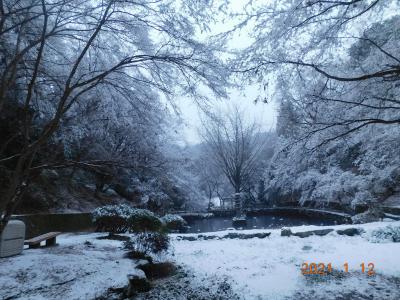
(112, 218)
(373, 214)
(173, 222)
(122, 218)
(143, 220)
(385, 234)
(148, 243)
(121, 210)
(363, 198)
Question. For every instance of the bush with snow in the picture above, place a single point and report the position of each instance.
(143, 220)
(123, 218)
(112, 218)
(373, 214)
(385, 234)
(148, 243)
(121, 210)
(173, 222)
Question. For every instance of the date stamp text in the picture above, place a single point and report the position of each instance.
(324, 269)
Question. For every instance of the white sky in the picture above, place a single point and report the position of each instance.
(263, 113)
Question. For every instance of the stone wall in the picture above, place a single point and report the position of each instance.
(66, 222)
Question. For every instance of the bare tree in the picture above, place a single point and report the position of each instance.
(234, 146)
(210, 177)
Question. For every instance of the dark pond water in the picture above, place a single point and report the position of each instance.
(256, 222)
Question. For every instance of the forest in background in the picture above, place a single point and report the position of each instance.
(88, 113)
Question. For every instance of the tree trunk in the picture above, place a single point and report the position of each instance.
(7, 213)
(18, 184)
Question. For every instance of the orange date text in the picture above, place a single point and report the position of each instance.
(324, 269)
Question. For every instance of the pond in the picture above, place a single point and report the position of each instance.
(254, 222)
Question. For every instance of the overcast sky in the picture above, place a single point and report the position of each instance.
(263, 113)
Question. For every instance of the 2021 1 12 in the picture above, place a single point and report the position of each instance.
(325, 269)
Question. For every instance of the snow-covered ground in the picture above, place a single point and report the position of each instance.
(269, 268)
(80, 267)
(84, 267)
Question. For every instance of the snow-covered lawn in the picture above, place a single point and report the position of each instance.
(269, 268)
(84, 267)
(80, 267)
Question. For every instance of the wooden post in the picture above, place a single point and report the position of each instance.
(34, 246)
(51, 242)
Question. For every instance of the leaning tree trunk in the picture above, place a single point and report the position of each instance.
(6, 214)
(18, 183)
(12, 199)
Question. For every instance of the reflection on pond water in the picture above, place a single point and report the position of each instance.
(254, 222)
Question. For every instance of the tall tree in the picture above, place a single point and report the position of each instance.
(235, 146)
(322, 53)
(55, 55)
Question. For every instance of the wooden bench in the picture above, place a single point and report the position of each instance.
(50, 239)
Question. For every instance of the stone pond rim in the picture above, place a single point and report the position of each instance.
(37, 224)
(339, 217)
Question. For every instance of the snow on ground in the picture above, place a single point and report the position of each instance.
(269, 268)
(84, 267)
(80, 267)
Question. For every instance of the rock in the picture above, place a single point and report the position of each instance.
(349, 231)
(286, 232)
(243, 236)
(260, 235)
(189, 238)
(320, 232)
(303, 234)
(246, 236)
(137, 284)
(88, 244)
(231, 235)
(306, 248)
(158, 270)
